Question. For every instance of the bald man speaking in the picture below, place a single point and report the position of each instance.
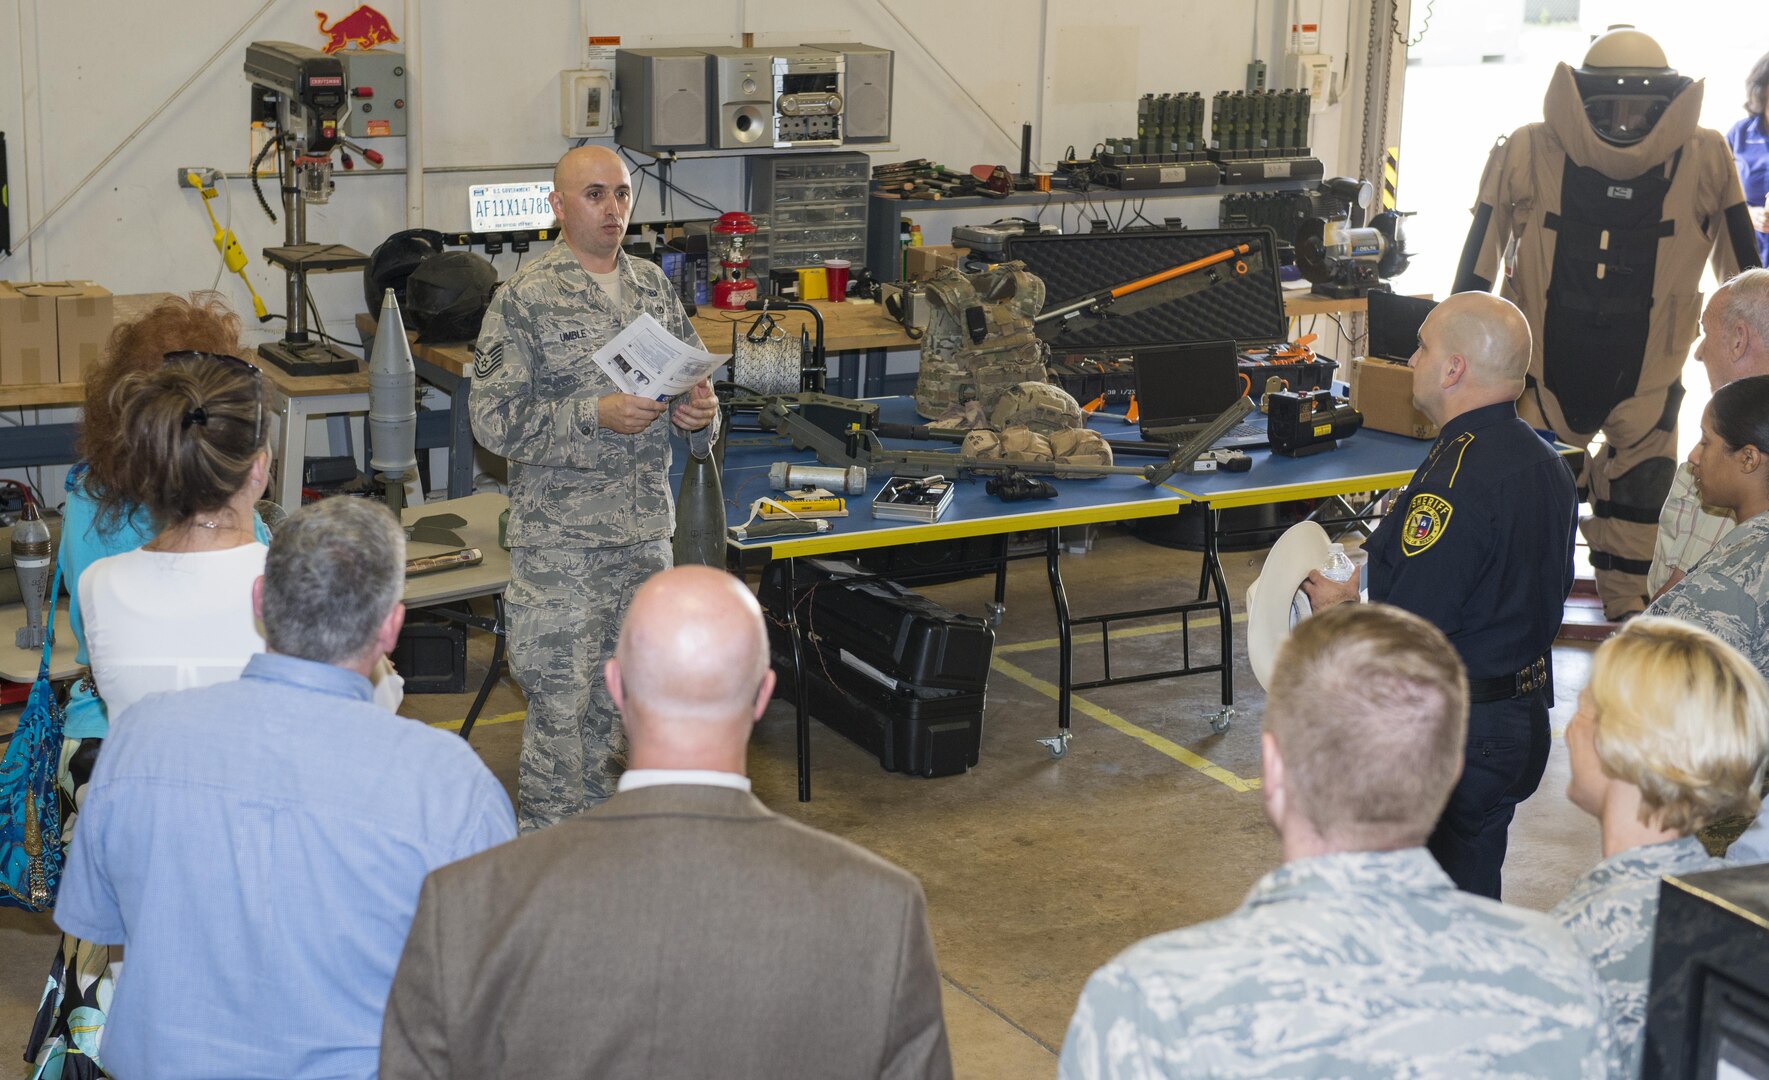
(590, 509)
(1481, 546)
(680, 929)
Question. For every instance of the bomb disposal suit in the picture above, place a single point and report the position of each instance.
(1599, 218)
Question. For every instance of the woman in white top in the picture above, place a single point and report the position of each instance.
(176, 613)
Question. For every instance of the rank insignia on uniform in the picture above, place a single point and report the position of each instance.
(486, 361)
(1427, 517)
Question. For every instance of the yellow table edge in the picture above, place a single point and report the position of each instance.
(1319, 489)
(793, 547)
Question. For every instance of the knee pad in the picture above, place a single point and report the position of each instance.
(1639, 494)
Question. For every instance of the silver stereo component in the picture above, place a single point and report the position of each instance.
(728, 98)
(743, 97)
(866, 112)
(663, 99)
(808, 97)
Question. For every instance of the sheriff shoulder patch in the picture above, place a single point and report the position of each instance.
(486, 361)
(1427, 517)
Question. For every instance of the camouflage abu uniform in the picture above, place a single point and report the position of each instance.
(1727, 592)
(1611, 912)
(1365, 964)
(590, 510)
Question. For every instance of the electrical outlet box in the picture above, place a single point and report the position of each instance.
(204, 176)
(377, 93)
(1314, 73)
(1255, 76)
(586, 103)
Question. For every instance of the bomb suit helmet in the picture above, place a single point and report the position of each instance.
(1626, 84)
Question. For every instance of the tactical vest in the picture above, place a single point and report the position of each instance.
(979, 338)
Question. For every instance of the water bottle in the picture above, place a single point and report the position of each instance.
(1339, 566)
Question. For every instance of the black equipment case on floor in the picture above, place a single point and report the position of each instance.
(893, 671)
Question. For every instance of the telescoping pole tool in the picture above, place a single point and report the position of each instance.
(1097, 302)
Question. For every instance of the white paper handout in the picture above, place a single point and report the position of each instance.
(648, 361)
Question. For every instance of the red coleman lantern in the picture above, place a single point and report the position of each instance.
(732, 235)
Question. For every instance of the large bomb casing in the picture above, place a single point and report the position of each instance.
(393, 409)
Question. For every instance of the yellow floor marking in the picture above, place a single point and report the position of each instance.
(1140, 631)
(1080, 704)
(1113, 720)
(455, 725)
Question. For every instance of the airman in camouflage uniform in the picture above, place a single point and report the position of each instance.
(1359, 964)
(1359, 957)
(590, 507)
(1611, 912)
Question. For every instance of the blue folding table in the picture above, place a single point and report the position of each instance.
(1370, 461)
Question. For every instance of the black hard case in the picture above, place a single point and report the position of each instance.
(920, 706)
(1246, 309)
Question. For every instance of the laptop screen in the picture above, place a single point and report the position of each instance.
(1394, 325)
(1186, 384)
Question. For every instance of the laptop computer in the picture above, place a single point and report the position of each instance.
(1181, 388)
(1394, 325)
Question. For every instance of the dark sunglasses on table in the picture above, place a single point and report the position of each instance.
(188, 355)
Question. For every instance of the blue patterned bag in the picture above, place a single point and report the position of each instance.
(30, 809)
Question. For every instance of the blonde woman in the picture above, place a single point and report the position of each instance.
(1669, 736)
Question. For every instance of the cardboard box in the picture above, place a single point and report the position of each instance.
(83, 323)
(52, 331)
(1383, 392)
(919, 262)
(29, 352)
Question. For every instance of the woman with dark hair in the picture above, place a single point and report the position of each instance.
(1727, 590)
(1749, 139)
(177, 612)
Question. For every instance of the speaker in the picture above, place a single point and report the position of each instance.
(663, 99)
(867, 117)
(743, 88)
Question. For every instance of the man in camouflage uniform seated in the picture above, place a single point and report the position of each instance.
(590, 507)
(1358, 957)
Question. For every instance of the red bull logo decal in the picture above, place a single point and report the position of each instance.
(365, 26)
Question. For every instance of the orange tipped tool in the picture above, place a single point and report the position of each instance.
(1133, 415)
(1179, 271)
(1095, 405)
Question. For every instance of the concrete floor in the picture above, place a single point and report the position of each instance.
(1036, 870)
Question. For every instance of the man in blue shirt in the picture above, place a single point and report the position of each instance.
(257, 846)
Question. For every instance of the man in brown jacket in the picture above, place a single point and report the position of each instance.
(680, 929)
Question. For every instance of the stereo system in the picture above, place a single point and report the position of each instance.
(728, 98)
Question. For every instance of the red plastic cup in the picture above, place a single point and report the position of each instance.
(836, 270)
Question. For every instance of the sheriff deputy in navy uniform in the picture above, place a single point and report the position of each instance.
(1482, 548)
